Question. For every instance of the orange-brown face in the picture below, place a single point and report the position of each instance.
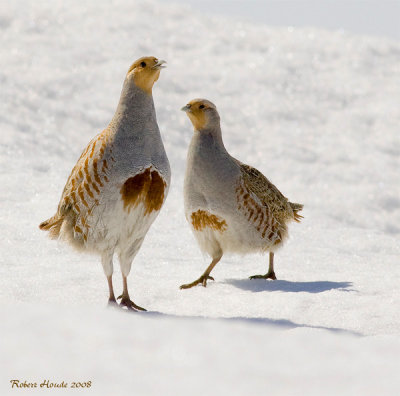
(145, 72)
(199, 112)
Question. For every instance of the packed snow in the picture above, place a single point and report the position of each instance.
(316, 111)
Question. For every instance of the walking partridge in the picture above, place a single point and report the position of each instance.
(120, 182)
(231, 207)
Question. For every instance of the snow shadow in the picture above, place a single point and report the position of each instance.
(278, 324)
(286, 324)
(260, 285)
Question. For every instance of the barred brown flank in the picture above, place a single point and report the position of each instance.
(90, 182)
(82, 196)
(251, 214)
(271, 234)
(93, 147)
(96, 174)
(78, 229)
(264, 231)
(86, 168)
(261, 218)
(103, 147)
(96, 188)
(89, 191)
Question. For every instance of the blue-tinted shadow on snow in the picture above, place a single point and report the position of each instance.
(277, 324)
(261, 285)
(286, 324)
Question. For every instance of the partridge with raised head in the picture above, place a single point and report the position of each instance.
(230, 206)
(120, 182)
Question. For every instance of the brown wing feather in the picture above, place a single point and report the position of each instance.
(264, 205)
(82, 189)
(265, 191)
(269, 195)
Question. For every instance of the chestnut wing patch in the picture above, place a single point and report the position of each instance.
(147, 187)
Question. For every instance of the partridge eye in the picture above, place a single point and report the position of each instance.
(143, 64)
(201, 107)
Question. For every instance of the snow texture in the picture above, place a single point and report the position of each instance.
(316, 111)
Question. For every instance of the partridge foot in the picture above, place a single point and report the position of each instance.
(128, 303)
(202, 280)
(112, 302)
(268, 275)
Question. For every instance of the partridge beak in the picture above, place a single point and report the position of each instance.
(159, 65)
(186, 108)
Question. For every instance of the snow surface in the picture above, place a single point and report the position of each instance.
(316, 111)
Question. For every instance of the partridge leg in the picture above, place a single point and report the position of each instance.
(111, 299)
(125, 299)
(203, 278)
(107, 263)
(270, 274)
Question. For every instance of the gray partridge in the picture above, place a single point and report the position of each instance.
(120, 182)
(231, 207)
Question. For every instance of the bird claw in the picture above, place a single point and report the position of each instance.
(202, 280)
(128, 303)
(268, 275)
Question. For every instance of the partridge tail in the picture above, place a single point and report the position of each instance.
(296, 207)
(53, 225)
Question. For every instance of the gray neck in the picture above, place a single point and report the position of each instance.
(207, 160)
(135, 107)
(210, 137)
